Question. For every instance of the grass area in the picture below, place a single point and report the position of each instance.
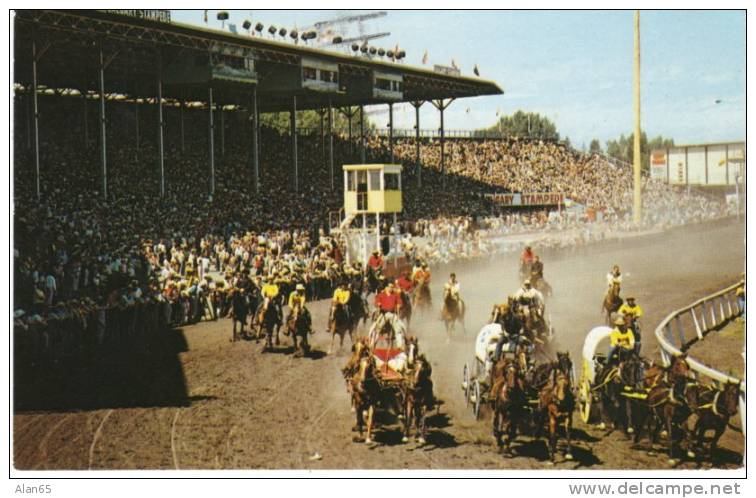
(723, 349)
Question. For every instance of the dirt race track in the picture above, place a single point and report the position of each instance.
(218, 405)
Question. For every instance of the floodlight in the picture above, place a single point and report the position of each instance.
(259, 27)
(222, 15)
(337, 39)
(355, 47)
(272, 30)
(282, 31)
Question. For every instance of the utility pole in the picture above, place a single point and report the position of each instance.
(637, 134)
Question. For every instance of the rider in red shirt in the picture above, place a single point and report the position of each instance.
(387, 301)
(404, 283)
(527, 256)
(376, 261)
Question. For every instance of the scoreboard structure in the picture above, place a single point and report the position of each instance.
(714, 164)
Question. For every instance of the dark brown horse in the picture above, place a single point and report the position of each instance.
(669, 406)
(340, 324)
(713, 408)
(612, 302)
(405, 310)
(509, 403)
(299, 326)
(556, 401)
(418, 398)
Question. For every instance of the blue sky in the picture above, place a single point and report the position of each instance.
(573, 66)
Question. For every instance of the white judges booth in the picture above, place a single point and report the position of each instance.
(716, 164)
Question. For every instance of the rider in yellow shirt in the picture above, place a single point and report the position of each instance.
(297, 300)
(621, 338)
(340, 296)
(631, 313)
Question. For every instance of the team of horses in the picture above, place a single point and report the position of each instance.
(644, 398)
(408, 397)
(532, 399)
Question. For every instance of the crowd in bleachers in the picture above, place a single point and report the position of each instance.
(78, 254)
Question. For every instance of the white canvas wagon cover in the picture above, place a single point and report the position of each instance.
(590, 346)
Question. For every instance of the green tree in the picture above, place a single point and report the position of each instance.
(622, 148)
(525, 125)
(311, 119)
(594, 147)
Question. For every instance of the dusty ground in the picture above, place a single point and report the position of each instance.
(206, 403)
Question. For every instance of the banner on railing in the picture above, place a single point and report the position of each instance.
(533, 199)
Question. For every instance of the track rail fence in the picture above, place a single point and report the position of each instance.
(685, 326)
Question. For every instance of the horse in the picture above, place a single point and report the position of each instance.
(713, 409)
(405, 310)
(340, 324)
(373, 281)
(269, 320)
(509, 402)
(358, 310)
(300, 326)
(418, 396)
(670, 407)
(421, 297)
(239, 309)
(632, 381)
(556, 402)
(677, 369)
(452, 312)
(540, 284)
(612, 302)
(365, 390)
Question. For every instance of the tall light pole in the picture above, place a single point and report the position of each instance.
(637, 133)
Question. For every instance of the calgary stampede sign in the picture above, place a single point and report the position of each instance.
(535, 199)
(152, 15)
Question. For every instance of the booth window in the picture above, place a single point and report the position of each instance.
(309, 73)
(351, 183)
(391, 181)
(375, 180)
(329, 76)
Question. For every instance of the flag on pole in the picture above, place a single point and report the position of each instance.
(205, 17)
(476, 71)
(454, 64)
(425, 57)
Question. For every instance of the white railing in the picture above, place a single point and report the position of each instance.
(704, 315)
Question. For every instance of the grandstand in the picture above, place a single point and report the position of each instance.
(133, 57)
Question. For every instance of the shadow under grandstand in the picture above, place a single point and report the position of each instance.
(123, 374)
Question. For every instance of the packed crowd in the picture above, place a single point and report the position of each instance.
(76, 253)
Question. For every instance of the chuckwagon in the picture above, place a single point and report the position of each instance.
(476, 377)
(592, 360)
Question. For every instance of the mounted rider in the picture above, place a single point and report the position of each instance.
(614, 277)
(387, 302)
(341, 297)
(526, 261)
(621, 342)
(530, 299)
(375, 262)
(404, 283)
(269, 292)
(631, 313)
(421, 276)
(452, 285)
(297, 300)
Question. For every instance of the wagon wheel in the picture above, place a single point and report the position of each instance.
(584, 401)
(466, 383)
(476, 394)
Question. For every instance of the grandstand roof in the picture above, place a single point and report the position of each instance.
(134, 47)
